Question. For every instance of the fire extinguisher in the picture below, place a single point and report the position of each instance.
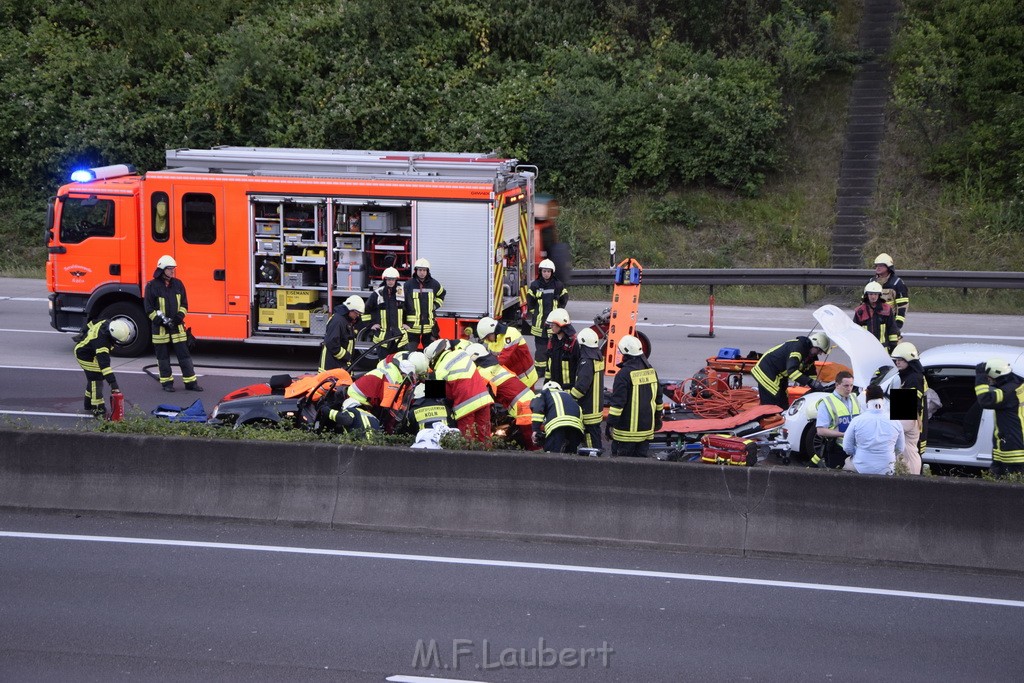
(116, 406)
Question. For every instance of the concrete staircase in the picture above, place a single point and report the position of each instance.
(858, 170)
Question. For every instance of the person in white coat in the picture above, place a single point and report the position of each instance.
(872, 438)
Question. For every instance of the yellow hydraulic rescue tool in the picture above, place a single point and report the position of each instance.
(625, 304)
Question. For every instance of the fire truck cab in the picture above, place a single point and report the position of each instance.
(269, 240)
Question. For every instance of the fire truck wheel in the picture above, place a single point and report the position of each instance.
(139, 336)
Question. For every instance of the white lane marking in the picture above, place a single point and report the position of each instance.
(33, 331)
(707, 578)
(792, 330)
(120, 371)
(22, 298)
(37, 414)
(427, 679)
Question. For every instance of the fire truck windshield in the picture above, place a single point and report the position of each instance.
(85, 217)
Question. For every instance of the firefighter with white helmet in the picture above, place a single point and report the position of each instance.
(509, 391)
(508, 344)
(423, 297)
(92, 351)
(562, 352)
(589, 386)
(339, 342)
(544, 295)
(465, 388)
(166, 305)
(1000, 389)
(557, 421)
(894, 290)
(907, 360)
(385, 313)
(877, 317)
(791, 361)
(635, 406)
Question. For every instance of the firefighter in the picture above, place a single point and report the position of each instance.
(509, 392)
(339, 342)
(589, 386)
(423, 296)
(998, 388)
(556, 420)
(93, 353)
(894, 290)
(166, 305)
(508, 344)
(428, 410)
(465, 388)
(385, 313)
(791, 361)
(382, 390)
(563, 351)
(635, 407)
(544, 295)
(835, 412)
(350, 418)
(908, 363)
(877, 317)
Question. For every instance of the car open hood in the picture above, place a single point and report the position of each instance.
(866, 353)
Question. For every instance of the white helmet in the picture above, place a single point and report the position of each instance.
(350, 403)
(997, 367)
(559, 317)
(419, 362)
(421, 263)
(883, 259)
(419, 392)
(821, 341)
(120, 330)
(436, 348)
(588, 338)
(166, 261)
(390, 274)
(476, 351)
(546, 264)
(486, 326)
(355, 303)
(551, 386)
(872, 288)
(906, 351)
(630, 346)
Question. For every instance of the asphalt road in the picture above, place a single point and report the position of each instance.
(238, 601)
(41, 382)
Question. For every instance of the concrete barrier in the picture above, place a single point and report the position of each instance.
(757, 511)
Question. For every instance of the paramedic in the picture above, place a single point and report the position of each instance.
(465, 388)
(508, 344)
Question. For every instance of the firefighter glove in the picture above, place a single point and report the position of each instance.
(608, 429)
(657, 423)
(817, 386)
(537, 438)
(113, 385)
(981, 368)
(179, 317)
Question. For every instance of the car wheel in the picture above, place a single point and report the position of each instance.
(810, 443)
(139, 337)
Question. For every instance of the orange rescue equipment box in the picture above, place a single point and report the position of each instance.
(726, 449)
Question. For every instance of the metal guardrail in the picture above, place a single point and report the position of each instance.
(825, 277)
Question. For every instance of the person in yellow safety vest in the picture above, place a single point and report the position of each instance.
(465, 387)
(835, 412)
(93, 354)
(385, 312)
(556, 420)
(508, 344)
(428, 409)
(915, 432)
(509, 392)
(998, 388)
(339, 342)
(166, 305)
(351, 418)
(635, 407)
(563, 351)
(589, 386)
(383, 389)
(423, 296)
(791, 361)
(544, 295)
(894, 290)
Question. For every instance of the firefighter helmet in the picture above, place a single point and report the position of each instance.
(546, 264)
(551, 386)
(476, 351)
(421, 263)
(821, 341)
(588, 338)
(906, 351)
(997, 367)
(558, 316)
(435, 349)
(390, 273)
(486, 326)
(350, 403)
(166, 261)
(883, 259)
(872, 288)
(419, 362)
(355, 303)
(630, 346)
(120, 330)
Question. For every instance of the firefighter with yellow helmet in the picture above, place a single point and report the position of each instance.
(92, 351)
(423, 296)
(908, 363)
(635, 406)
(1000, 389)
(543, 296)
(894, 290)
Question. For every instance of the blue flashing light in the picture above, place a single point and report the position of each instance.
(83, 175)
